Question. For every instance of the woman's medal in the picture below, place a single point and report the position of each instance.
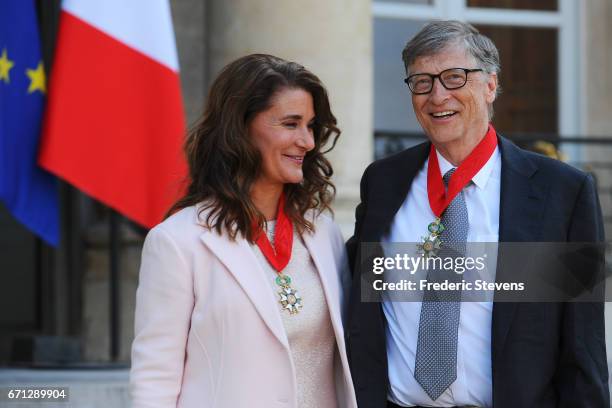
(278, 257)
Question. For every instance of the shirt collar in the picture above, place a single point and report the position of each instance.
(482, 177)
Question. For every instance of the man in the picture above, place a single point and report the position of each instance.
(486, 190)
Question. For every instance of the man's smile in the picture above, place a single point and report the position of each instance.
(443, 114)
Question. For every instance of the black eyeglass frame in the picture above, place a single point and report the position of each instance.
(439, 76)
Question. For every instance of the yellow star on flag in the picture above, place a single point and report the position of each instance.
(5, 66)
(37, 79)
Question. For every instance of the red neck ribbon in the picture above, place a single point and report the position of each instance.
(439, 197)
(278, 256)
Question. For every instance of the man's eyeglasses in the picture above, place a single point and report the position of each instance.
(453, 78)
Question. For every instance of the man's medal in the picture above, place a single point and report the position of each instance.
(440, 196)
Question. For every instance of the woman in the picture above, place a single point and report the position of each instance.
(239, 300)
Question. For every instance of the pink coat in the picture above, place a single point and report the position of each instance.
(208, 332)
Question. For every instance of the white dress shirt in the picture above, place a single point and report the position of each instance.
(473, 385)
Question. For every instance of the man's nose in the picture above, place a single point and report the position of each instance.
(438, 93)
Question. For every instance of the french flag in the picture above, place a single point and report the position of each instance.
(114, 123)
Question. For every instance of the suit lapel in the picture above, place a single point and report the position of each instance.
(522, 204)
(395, 186)
(239, 259)
(522, 199)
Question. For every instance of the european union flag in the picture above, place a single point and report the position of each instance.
(29, 192)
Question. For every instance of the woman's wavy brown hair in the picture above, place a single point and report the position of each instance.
(224, 162)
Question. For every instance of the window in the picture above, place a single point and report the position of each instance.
(545, 5)
(529, 99)
(540, 82)
(421, 2)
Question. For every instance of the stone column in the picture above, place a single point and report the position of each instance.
(597, 65)
(597, 97)
(189, 20)
(332, 38)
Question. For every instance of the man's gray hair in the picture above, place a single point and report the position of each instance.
(437, 35)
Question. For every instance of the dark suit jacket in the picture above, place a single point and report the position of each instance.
(544, 354)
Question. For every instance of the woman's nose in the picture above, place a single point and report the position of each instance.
(306, 139)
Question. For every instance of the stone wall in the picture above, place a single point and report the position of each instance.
(597, 68)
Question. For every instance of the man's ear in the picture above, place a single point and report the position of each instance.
(491, 87)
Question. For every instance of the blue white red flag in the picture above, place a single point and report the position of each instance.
(114, 124)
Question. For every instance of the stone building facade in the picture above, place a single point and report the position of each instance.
(354, 46)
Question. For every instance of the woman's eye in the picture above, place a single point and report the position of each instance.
(291, 125)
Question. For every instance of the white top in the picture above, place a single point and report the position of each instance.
(310, 332)
(473, 385)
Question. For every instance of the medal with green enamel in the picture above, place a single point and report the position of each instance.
(289, 299)
(431, 242)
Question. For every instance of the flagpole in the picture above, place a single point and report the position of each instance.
(114, 285)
